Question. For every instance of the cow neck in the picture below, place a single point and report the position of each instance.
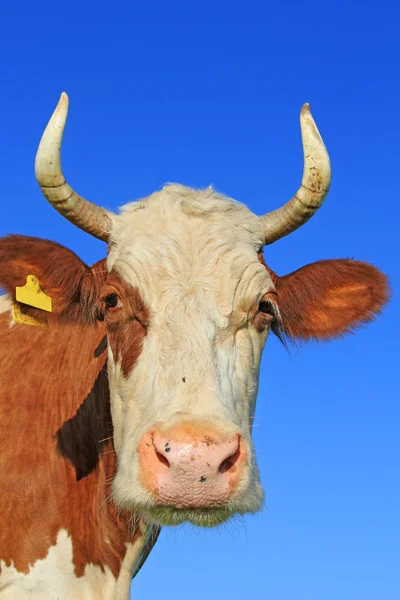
(51, 378)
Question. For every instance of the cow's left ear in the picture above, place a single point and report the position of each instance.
(330, 298)
(72, 286)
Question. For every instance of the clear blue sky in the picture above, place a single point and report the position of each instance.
(210, 92)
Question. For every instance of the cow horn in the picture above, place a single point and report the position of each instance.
(314, 186)
(84, 214)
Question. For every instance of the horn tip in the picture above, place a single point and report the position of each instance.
(64, 100)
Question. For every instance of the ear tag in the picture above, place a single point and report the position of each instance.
(19, 317)
(32, 295)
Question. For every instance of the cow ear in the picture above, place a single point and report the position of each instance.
(62, 275)
(330, 298)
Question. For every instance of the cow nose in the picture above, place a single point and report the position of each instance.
(187, 470)
(217, 456)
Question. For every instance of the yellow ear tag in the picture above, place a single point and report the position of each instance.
(31, 295)
(19, 317)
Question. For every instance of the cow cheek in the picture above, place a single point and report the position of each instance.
(249, 347)
(125, 345)
(126, 341)
(116, 403)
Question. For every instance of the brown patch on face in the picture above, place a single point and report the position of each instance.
(329, 298)
(45, 377)
(126, 323)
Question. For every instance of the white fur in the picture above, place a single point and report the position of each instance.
(192, 255)
(5, 304)
(53, 578)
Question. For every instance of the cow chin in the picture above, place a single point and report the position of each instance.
(202, 517)
(248, 499)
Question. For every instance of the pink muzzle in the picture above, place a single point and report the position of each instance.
(188, 466)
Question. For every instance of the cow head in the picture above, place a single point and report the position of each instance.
(188, 304)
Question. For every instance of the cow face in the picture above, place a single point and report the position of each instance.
(188, 307)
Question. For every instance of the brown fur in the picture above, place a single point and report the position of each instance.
(46, 374)
(73, 286)
(329, 298)
(126, 326)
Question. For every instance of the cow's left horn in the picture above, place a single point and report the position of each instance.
(314, 186)
(84, 214)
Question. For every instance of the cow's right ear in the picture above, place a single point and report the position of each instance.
(72, 286)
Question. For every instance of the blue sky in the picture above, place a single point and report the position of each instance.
(210, 92)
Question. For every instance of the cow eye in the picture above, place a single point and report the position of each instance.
(268, 312)
(111, 301)
(267, 308)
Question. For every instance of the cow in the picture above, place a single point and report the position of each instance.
(127, 404)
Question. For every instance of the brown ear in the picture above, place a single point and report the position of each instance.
(329, 298)
(62, 275)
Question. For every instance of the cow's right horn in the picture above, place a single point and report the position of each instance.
(313, 189)
(80, 212)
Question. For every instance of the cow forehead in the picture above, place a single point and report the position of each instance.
(182, 242)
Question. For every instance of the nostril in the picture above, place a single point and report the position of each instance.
(162, 458)
(229, 463)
